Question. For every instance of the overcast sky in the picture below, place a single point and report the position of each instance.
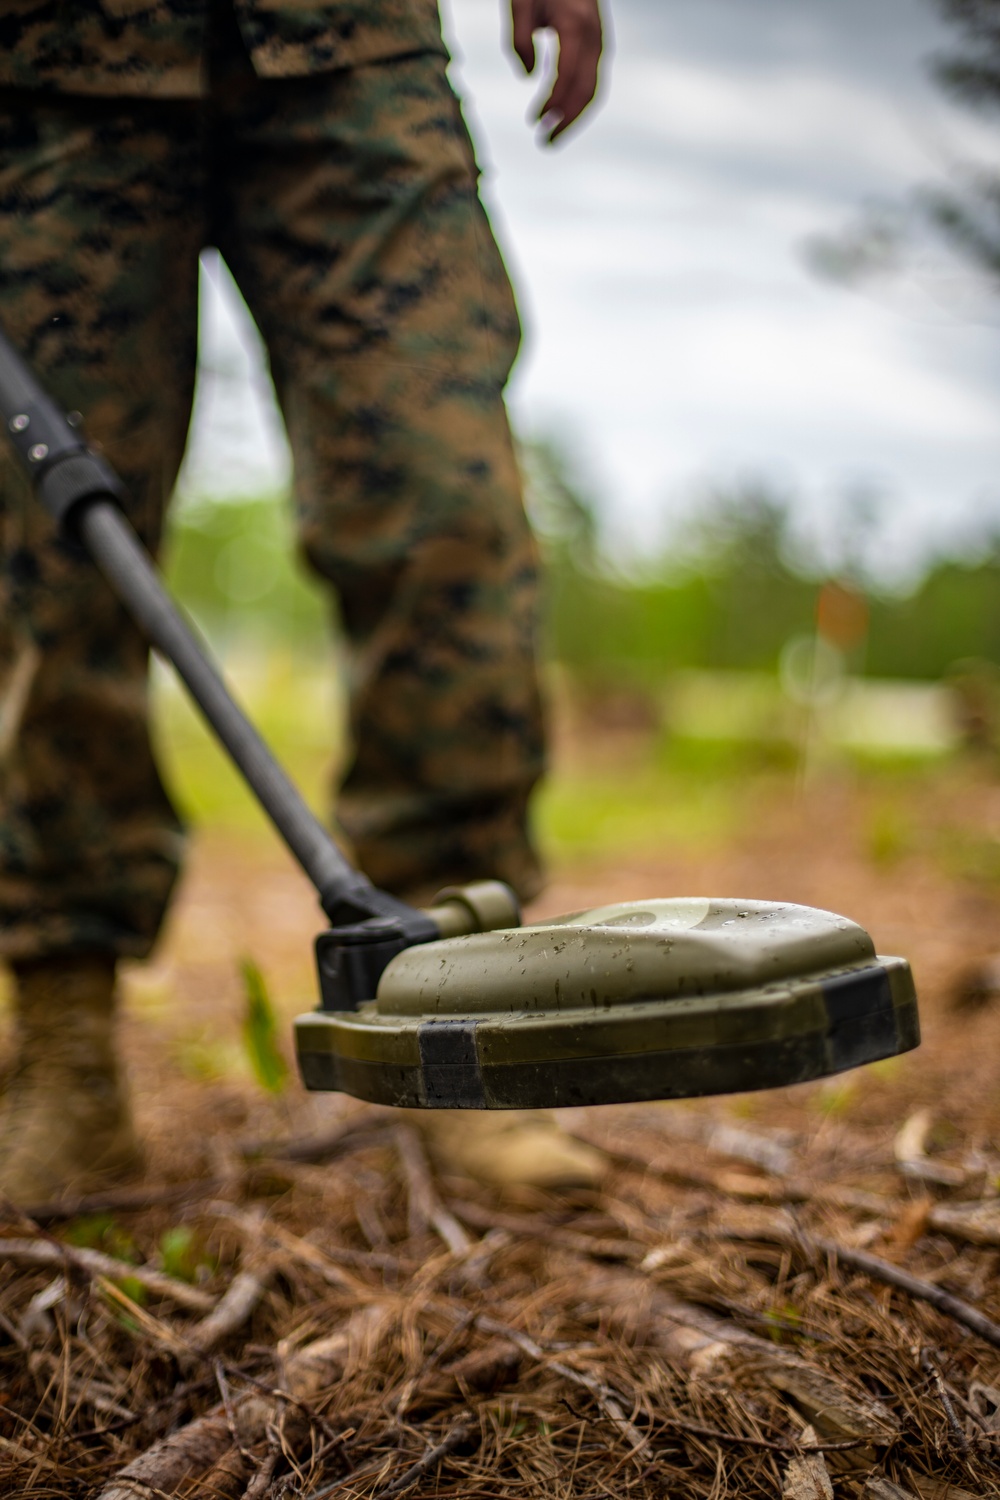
(675, 335)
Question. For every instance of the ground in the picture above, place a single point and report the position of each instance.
(694, 1329)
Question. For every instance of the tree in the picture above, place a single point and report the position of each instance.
(966, 210)
(971, 218)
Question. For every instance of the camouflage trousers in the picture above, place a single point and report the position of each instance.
(346, 207)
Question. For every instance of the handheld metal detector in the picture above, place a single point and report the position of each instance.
(458, 1005)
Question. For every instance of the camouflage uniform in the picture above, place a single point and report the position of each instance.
(321, 149)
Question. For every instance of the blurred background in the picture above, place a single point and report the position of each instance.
(758, 406)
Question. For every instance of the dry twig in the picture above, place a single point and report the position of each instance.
(233, 1309)
(456, 1438)
(426, 1208)
(96, 1263)
(607, 1399)
(347, 1135)
(537, 1228)
(930, 1368)
(298, 1248)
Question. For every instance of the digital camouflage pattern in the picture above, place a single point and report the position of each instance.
(158, 48)
(346, 207)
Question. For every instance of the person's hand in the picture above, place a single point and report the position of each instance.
(577, 24)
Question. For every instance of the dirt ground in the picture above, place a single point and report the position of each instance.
(706, 1325)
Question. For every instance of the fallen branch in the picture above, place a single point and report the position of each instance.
(879, 1270)
(769, 1149)
(261, 1481)
(96, 1263)
(910, 1152)
(807, 1478)
(977, 1223)
(754, 1147)
(36, 1323)
(22, 1455)
(183, 1455)
(242, 1296)
(877, 1487)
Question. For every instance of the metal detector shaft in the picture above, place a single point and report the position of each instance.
(121, 557)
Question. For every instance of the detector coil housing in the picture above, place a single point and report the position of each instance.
(661, 999)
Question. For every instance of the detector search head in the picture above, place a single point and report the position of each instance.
(661, 999)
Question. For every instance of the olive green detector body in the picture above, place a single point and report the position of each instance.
(661, 999)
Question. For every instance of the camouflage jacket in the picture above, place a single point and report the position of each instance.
(159, 47)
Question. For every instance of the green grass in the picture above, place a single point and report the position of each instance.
(889, 835)
(972, 857)
(295, 706)
(590, 814)
(662, 792)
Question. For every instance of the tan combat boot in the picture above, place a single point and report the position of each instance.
(508, 1148)
(65, 1123)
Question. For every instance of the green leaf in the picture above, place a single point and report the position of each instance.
(260, 1031)
(91, 1233)
(179, 1252)
(784, 1323)
(183, 1254)
(103, 1232)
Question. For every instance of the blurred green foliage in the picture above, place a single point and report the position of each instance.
(686, 651)
(727, 592)
(234, 564)
(260, 1031)
(730, 589)
(722, 595)
(889, 836)
(589, 813)
(182, 1255)
(102, 1232)
(954, 614)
